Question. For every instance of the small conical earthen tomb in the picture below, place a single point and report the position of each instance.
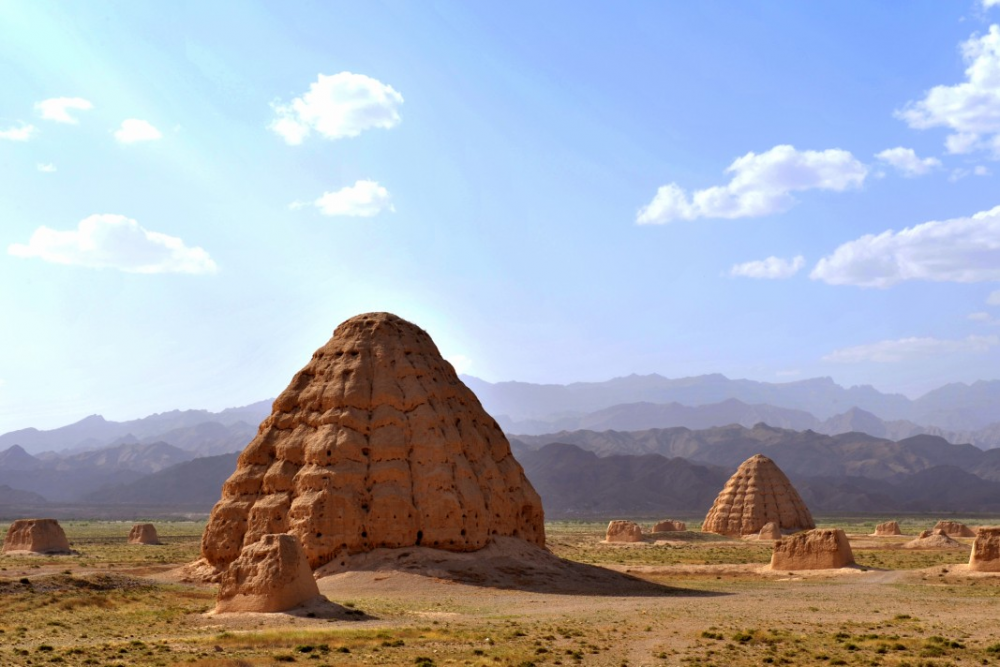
(623, 531)
(954, 529)
(375, 443)
(887, 529)
(271, 575)
(36, 536)
(819, 549)
(985, 555)
(143, 533)
(758, 493)
(669, 526)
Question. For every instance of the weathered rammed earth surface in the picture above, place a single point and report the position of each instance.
(623, 531)
(375, 443)
(38, 536)
(887, 528)
(770, 531)
(143, 533)
(669, 526)
(270, 575)
(985, 555)
(756, 494)
(954, 529)
(819, 549)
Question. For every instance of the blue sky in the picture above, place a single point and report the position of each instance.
(195, 196)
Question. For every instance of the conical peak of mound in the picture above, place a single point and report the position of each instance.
(375, 443)
(758, 493)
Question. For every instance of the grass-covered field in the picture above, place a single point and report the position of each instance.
(113, 605)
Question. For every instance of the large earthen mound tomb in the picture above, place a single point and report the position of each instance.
(758, 493)
(36, 536)
(376, 443)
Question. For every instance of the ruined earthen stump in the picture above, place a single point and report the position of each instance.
(886, 529)
(818, 549)
(623, 531)
(375, 443)
(758, 493)
(954, 529)
(36, 536)
(669, 526)
(143, 533)
(985, 555)
(271, 575)
(770, 531)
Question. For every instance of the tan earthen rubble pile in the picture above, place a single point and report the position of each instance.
(375, 443)
(270, 575)
(770, 531)
(36, 536)
(932, 539)
(669, 526)
(887, 529)
(758, 493)
(143, 533)
(985, 555)
(954, 529)
(623, 531)
(818, 549)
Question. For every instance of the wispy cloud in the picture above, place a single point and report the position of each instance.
(364, 199)
(905, 160)
(971, 109)
(910, 349)
(994, 298)
(338, 106)
(962, 250)
(22, 132)
(115, 242)
(46, 168)
(134, 130)
(771, 268)
(761, 185)
(58, 109)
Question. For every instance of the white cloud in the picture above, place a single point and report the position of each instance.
(980, 317)
(134, 130)
(338, 106)
(906, 349)
(46, 168)
(962, 250)
(907, 162)
(115, 242)
(364, 199)
(970, 109)
(58, 108)
(994, 298)
(981, 170)
(461, 363)
(990, 3)
(761, 185)
(771, 268)
(22, 133)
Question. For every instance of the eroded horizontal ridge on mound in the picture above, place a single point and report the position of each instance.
(375, 443)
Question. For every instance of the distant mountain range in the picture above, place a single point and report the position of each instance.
(522, 407)
(199, 431)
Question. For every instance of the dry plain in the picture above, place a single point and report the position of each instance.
(702, 600)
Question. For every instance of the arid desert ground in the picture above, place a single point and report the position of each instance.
(695, 599)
